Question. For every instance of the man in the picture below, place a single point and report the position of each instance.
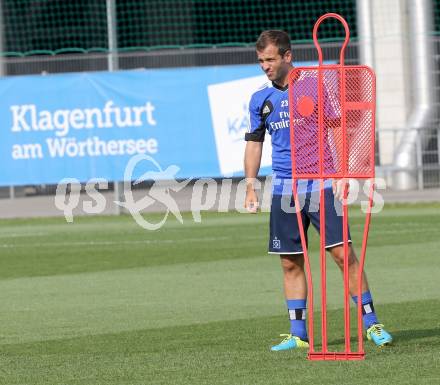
(268, 111)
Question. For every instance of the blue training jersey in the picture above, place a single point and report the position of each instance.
(269, 112)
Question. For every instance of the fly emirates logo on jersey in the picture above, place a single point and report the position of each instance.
(284, 118)
(229, 102)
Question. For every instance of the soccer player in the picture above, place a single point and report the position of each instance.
(268, 110)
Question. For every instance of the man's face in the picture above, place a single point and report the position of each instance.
(275, 66)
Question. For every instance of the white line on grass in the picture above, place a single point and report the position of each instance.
(109, 243)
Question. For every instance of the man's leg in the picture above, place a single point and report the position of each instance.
(295, 285)
(285, 241)
(295, 290)
(374, 329)
(333, 238)
(337, 253)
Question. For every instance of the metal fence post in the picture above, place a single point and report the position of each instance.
(2, 35)
(419, 157)
(2, 72)
(438, 151)
(112, 36)
(113, 65)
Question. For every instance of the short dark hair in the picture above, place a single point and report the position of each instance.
(276, 37)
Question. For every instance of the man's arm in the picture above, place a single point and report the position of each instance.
(252, 160)
(332, 112)
(336, 142)
(254, 148)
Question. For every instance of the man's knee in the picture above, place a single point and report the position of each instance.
(337, 253)
(292, 264)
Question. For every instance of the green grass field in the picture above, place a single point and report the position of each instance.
(102, 301)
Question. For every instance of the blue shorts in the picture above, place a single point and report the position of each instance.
(284, 235)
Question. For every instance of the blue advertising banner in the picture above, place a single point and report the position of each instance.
(88, 125)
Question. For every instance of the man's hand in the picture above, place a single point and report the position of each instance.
(251, 202)
(338, 187)
(252, 160)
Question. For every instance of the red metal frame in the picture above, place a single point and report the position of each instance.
(344, 173)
